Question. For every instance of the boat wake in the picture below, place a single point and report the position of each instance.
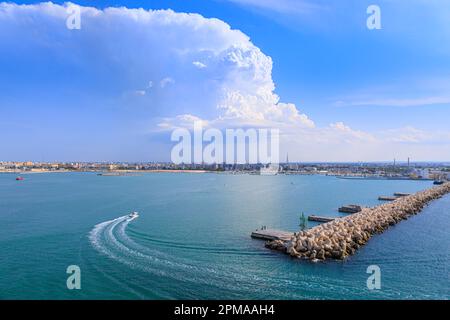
(110, 239)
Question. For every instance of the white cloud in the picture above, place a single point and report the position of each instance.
(344, 131)
(140, 92)
(199, 64)
(397, 102)
(282, 6)
(137, 45)
(413, 135)
(166, 81)
(132, 94)
(185, 121)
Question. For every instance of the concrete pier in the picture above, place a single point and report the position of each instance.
(272, 234)
(319, 218)
(387, 198)
(350, 208)
(401, 194)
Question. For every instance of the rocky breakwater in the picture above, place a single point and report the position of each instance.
(344, 236)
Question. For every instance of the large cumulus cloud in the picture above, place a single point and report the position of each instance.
(202, 66)
(214, 70)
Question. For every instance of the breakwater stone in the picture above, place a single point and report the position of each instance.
(344, 236)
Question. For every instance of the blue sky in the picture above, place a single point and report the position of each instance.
(346, 93)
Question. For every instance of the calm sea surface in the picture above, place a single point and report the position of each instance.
(192, 238)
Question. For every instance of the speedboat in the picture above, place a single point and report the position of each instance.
(19, 178)
(134, 214)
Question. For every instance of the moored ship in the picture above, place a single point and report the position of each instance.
(269, 170)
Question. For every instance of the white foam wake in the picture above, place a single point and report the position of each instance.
(110, 239)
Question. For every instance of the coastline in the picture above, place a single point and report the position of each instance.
(109, 171)
(117, 172)
(161, 171)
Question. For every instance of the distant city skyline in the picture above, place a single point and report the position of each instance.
(116, 88)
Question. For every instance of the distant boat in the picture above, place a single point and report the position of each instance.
(19, 178)
(438, 182)
(270, 170)
(134, 214)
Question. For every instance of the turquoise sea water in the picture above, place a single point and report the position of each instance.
(192, 240)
